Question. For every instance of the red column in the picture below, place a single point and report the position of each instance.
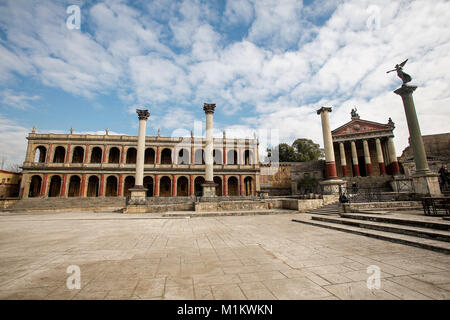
(191, 185)
(331, 170)
(382, 168)
(83, 185)
(241, 185)
(156, 190)
(63, 187)
(120, 192)
(102, 180)
(105, 149)
(68, 154)
(356, 170)
(49, 153)
(225, 186)
(157, 155)
(395, 168)
(86, 156)
(174, 186)
(344, 171)
(44, 185)
(122, 154)
(369, 169)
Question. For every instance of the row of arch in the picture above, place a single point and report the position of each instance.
(164, 186)
(114, 156)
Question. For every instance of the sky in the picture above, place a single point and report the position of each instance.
(268, 65)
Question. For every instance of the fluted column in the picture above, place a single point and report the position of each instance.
(367, 159)
(393, 157)
(143, 116)
(328, 143)
(380, 157)
(343, 159)
(209, 187)
(355, 160)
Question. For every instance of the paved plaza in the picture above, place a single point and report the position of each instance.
(241, 257)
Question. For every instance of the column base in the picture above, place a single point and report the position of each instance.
(332, 186)
(138, 195)
(209, 189)
(426, 183)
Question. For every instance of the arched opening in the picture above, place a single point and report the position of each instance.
(183, 156)
(198, 189)
(148, 184)
(218, 182)
(232, 157)
(165, 185)
(74, 186)
(149, 156)
(248, 186)
(39, 154)
(111, 186)
(217, 155)
(233, 186)
(96, 155)
(248, 157)
(199, 156)
(93, 186)
(182, 187)
(60, 154)
(55, 186)
(35, 187)
(131, 155)
(114, 155)
(128, 183)
(78, 155)
(166, 156)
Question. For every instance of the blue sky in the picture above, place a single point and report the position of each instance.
(268, 65)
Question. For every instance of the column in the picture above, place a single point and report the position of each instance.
(225, 186)
(105, 150)
(343, 160)
(355, 160)
(209, 187)
(380, 157)
(393, 156)
(86, 156)
(83, 185)
(174, 186)
(122, 155)
(143, 116)
(158, 158)
(44, 185)
(191, 185)
(156, 189)
(102, 183)
(120, 191)
(241, 186)
(49, 154)
(328, 143)
(68, 154)
(63, 186)
(367, 159)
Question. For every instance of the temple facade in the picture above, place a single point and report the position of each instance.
(77, 165)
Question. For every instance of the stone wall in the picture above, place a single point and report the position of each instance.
(356, 207)
(231, 206)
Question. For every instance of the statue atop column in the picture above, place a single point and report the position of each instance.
(402, 75)
(354, 113)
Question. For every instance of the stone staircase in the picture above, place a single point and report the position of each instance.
(419, 231)
(330, 209)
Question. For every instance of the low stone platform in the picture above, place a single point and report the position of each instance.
(194, 214)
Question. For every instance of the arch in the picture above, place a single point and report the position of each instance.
(166, 156)
(78, 155)
(55, 186)
(218, 182)
(148, 184)
(131, 155)
(149, 156)
(232, 157)
(183, 156)
(74, 187)
(111, 186)
(199, 156)
(93, 186)
(60, 155)
(233, 186)
(114, 155)
(165, 185)
(248, 157)
(96, 155)
(35, 186)
(127, 184)
(40, 154)
(182, 187)
(198, 189)
(217, 155)
(248, 186)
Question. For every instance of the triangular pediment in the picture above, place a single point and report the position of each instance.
(358, 126)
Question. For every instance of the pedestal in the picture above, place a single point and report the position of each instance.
(138, 196)
(426, 184)
(209, 190)
(332, 186)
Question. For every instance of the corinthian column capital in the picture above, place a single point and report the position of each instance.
(209, 107)
(143, 114)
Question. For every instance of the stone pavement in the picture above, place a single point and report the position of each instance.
(241, 257)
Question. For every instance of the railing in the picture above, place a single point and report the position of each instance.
(360, 195)
(436, 206)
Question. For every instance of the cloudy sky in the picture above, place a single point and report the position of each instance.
(267, 64)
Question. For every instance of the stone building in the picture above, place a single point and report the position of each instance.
(9, 184)
(77, 165)
(276, 178)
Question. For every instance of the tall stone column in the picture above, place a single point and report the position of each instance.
(332, 185)
(367, 159)
(425, 182)
(343, 159)
(395, 168)
(138, 192)
(355, 159)
(209, 187)
(380, 157)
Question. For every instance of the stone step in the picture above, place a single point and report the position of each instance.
(388, 227)
(413, 221)
(193, 214)
(428, 244)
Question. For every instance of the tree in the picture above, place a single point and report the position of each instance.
(301, 150)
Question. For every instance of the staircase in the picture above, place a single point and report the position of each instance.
(419, 231)
(330, 209)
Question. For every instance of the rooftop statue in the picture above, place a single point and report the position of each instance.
(354, 113)
(402, 75)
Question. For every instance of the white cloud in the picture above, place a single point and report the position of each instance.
(19, 100)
